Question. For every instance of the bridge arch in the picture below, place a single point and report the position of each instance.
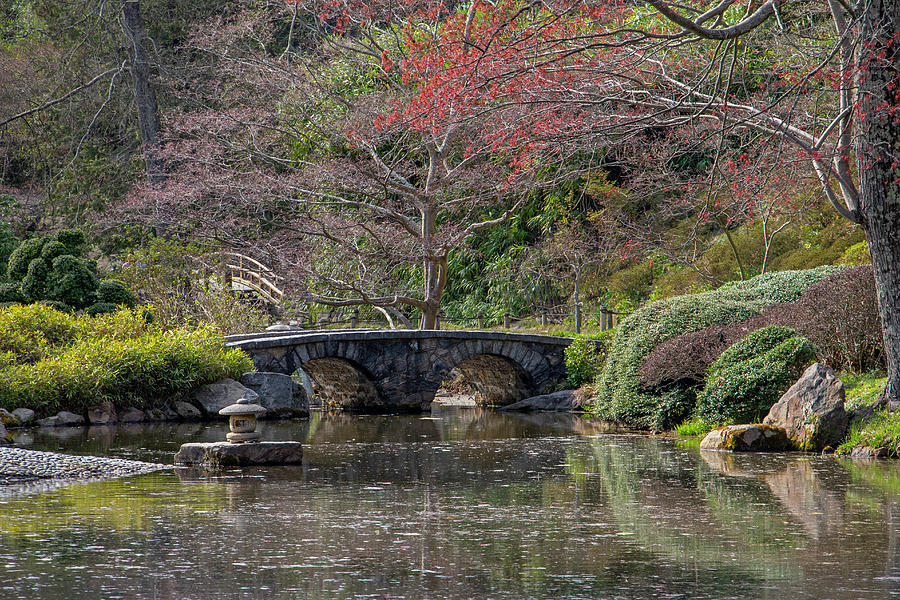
(400, 370)
(496, 380)
(340, 383)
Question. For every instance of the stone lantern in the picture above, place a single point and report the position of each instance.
(242, 421)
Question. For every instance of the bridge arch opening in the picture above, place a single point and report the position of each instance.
(495, 380)
(342, 384)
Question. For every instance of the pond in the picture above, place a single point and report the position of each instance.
(463, 503)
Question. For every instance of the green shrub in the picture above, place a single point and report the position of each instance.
(10, 292)
(755, 344)
(56, 327)
(22, 256)
(52, 249)
(72, 239)
(99, 308)
(43, 269)
(584, 360)
(752, 375)
(72, 281)
(620, 396)
(34, 284)
(118, 357)
(115, 292)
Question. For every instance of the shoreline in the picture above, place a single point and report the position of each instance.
(20, 466)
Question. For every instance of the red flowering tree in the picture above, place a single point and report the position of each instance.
(356, 159)
(815, 82)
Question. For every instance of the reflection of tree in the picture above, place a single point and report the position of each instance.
(689, 514)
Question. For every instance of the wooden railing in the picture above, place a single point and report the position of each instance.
(244, 271)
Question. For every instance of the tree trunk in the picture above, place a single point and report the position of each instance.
(878, 146)
(577, 298)
(144, 95)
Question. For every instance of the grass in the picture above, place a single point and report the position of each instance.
(862, 389)
(881, 431)
(695, 426)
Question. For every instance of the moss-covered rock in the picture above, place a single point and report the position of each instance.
(746, 438)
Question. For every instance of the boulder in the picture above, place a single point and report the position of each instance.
(213, 397)
(187, 411)
(102, 414)
(863, 451)
(7, 419)
(24, 415)
(62, 419)
(226, 454)
(131, 415)
(812, 410)
(4, 436)
(155, 414)
(563, 401)
(746, 438)
(279, 394)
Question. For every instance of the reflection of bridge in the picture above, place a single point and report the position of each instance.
(400, 370)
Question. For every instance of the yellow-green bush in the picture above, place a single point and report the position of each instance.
(118, 357)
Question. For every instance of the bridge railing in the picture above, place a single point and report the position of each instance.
(245, 271)
(603, 318)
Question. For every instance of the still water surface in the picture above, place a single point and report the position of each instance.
(461, 504)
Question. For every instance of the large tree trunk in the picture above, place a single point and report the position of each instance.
(878, 153)
(144, 95)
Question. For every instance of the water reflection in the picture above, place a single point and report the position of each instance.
(461, 504)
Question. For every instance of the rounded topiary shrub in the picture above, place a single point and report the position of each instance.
(21, 257)
(752, 375)
(115, 292)
(71, 282)
(34, 284)
(72, 239)
(100, 308)
(52, 249)
(621, 397)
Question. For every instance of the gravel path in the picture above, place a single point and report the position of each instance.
(18, 465)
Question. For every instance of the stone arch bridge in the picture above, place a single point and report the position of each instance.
(400, 370)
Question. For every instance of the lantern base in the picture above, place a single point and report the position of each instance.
(241, 437)
(227, 454)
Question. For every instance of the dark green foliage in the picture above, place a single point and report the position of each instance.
(755, 344)
(8, 243)
(22, 256)
(45, 269)
(584, 360)
(752, 375)
(73, 240)
(10, 292)
(620, 396)
(115, 292)
(34, 284)
(52, 249)
(100, 308)
(72, 282)
(57, 305)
